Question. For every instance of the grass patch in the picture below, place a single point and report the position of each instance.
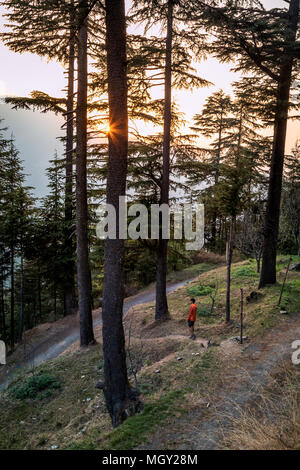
(39, 424)
(244, 272)
(190, 272)
(203, 311)
(199, 291)
(32, 387)
(134, 430)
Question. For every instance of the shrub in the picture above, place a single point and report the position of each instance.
(203, 311)
(199, 291)
(32, 387)
(244, 271)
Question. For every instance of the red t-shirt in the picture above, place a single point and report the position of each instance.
(192, 312)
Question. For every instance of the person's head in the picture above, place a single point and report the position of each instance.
(193, 301)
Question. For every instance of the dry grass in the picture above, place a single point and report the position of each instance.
(273, 422)
(208, 257)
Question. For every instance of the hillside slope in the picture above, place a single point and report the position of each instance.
(185, 386)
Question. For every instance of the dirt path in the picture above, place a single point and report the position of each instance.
(63, 334)
(250, 366)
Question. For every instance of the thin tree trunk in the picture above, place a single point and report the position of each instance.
(258, 264)
(34, 311)
(39, 296)
(217, 174)
(12, 298)
(84, 291)
(221, 230)
(230, 243)
(91, 287)
(3, 311)
(54, 301)
(21, 319)
(69, 285)
(118, 395)
(229, 252)
(268, 271)
(161, 309)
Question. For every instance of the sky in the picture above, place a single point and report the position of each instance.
(36, 133)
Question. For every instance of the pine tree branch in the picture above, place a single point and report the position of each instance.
(246, 47)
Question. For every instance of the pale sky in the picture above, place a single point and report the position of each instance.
(36, 133)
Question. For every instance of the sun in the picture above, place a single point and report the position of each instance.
(104, 128)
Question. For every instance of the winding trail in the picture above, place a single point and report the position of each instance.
(59, 341)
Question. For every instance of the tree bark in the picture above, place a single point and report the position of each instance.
(120, 398)
(69, 287)
(21, 320)
(3, 310)
(34, 323)
(271, 227)
(258, 265)
(161, 308)
(217, 174)
(54, 301)
(12, 298)
(39, 295)
(229, 253)
(84, 291)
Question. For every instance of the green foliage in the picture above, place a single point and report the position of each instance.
(32, 387)
(200, 291)
(203, 311)
(289, 238)
(16, 208)
(244, 272)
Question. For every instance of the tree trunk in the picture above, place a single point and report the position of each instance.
(54, 301)
(268, 271)
(39, 296)
(84, 291)
(217, 174)
(229, 252)
(12, 298)
(161, 309)
(221, 230)
(3, 312)
(34, 311)
(21, 319)
(91, 287)
(69, 286)
(258, 264)
(118, 395)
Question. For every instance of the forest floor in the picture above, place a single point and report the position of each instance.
(225, 396)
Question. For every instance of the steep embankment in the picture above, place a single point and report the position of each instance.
(49, 340)
(197, 393)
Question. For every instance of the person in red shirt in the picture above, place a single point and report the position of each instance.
(192, 318)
